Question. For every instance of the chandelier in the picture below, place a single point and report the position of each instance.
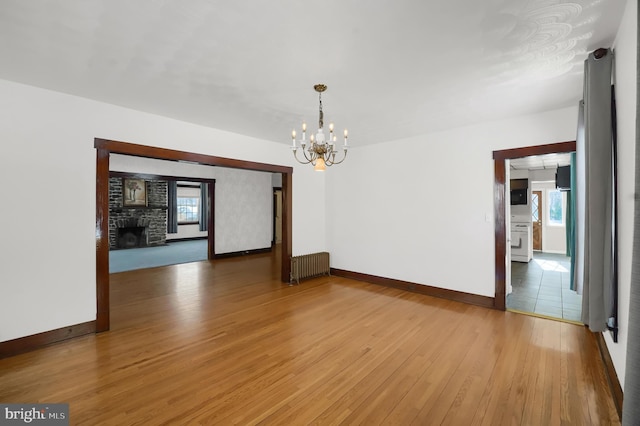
(321, 151)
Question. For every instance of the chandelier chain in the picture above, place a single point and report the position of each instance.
(321, 119)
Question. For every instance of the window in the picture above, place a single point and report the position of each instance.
(556, 208)
(535, 207)
(188, 210)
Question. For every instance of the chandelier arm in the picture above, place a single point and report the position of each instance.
(337, 162)
(312, 157)
(329, 157)
(295, 155)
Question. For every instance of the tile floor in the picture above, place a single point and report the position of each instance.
(542, 287)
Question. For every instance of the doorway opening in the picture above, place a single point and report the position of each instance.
(540, 281)
(189, 239)
(502, 212)
(104, 148)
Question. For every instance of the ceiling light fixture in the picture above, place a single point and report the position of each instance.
(321, 153)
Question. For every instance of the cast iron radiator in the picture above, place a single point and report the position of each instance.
(309, 265)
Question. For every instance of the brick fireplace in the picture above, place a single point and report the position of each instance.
(139, 226)
(132, 232)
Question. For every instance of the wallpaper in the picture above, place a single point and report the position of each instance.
(244, 210)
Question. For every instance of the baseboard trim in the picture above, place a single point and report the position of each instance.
(241, 253)
(36, 341)
(612, 376)
(179, 240)
(443, 293)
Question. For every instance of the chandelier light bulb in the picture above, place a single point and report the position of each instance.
(320, 165)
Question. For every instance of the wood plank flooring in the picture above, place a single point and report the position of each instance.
(227, 343)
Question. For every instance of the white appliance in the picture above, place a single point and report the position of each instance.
(521, 239)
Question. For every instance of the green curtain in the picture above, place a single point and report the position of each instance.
(571, 221)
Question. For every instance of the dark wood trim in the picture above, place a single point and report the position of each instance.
(242, 253)
(551, 148)
(442, 293)
(35, 341)
(149, 176)
(102, 241)
(499, 205)
(275, 211)
(126, 148)
(121, 209)
(180, 240)
(612, 376)
(500, 234)
(211, 220)
(287, 215)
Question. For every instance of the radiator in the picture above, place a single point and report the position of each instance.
(309, 265)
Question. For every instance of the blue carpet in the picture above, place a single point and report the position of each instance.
(150, 257)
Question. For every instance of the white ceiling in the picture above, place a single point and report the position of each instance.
(394, 68)
(541, 162)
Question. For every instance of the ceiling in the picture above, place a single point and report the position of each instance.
(394, 69)
(541, 162)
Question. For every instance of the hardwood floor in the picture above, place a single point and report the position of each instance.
(227, 343)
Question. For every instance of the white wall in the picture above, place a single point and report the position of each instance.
(402, 210)
(625, 79)
(47, 275)
(543, 175)
(244, 199)
(276, 180)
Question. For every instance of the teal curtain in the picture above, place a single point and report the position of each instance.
(571, 221)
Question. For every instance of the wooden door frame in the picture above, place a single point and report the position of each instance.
(275, 211)
(499, 207)
(105, 147)
(540, 212)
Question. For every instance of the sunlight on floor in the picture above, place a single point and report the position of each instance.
(550, 265)
(542, 286)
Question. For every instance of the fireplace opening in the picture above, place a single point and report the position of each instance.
(131, 237)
